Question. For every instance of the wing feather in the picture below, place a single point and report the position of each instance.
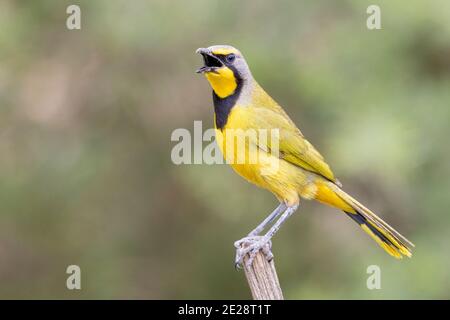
(293, 147)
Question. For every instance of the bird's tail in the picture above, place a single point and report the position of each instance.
(386, 236)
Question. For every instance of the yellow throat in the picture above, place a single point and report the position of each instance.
(222, 81)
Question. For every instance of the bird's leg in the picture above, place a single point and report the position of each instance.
(253, 235)
(280, 209)
(252, 244)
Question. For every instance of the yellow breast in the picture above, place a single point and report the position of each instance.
(256, 165)
(239, 148)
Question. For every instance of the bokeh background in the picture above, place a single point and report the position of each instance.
(86, 117)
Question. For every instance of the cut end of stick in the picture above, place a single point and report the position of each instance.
(262, 278)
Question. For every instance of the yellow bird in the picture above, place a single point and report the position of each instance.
(240, 105)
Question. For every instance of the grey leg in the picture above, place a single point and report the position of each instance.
(289, 211)
(280, 209)
(255, 243)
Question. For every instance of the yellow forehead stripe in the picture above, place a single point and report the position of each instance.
(224, 51)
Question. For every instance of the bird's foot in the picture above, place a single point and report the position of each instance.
(251, 245)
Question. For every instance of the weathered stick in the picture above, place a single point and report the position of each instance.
(262, 278)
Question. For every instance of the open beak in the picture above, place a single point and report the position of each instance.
(211, 63)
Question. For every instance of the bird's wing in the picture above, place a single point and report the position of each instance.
(293, 147)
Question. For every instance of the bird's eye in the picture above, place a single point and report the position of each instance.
(230, 58)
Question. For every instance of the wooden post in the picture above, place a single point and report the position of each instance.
(262, 278)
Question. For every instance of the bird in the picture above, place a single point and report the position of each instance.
(301, 172)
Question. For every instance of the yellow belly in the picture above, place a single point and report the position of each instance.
(285, 180)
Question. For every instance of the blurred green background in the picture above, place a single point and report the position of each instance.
(86, 117)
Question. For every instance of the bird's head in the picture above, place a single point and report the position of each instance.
(225, 68)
